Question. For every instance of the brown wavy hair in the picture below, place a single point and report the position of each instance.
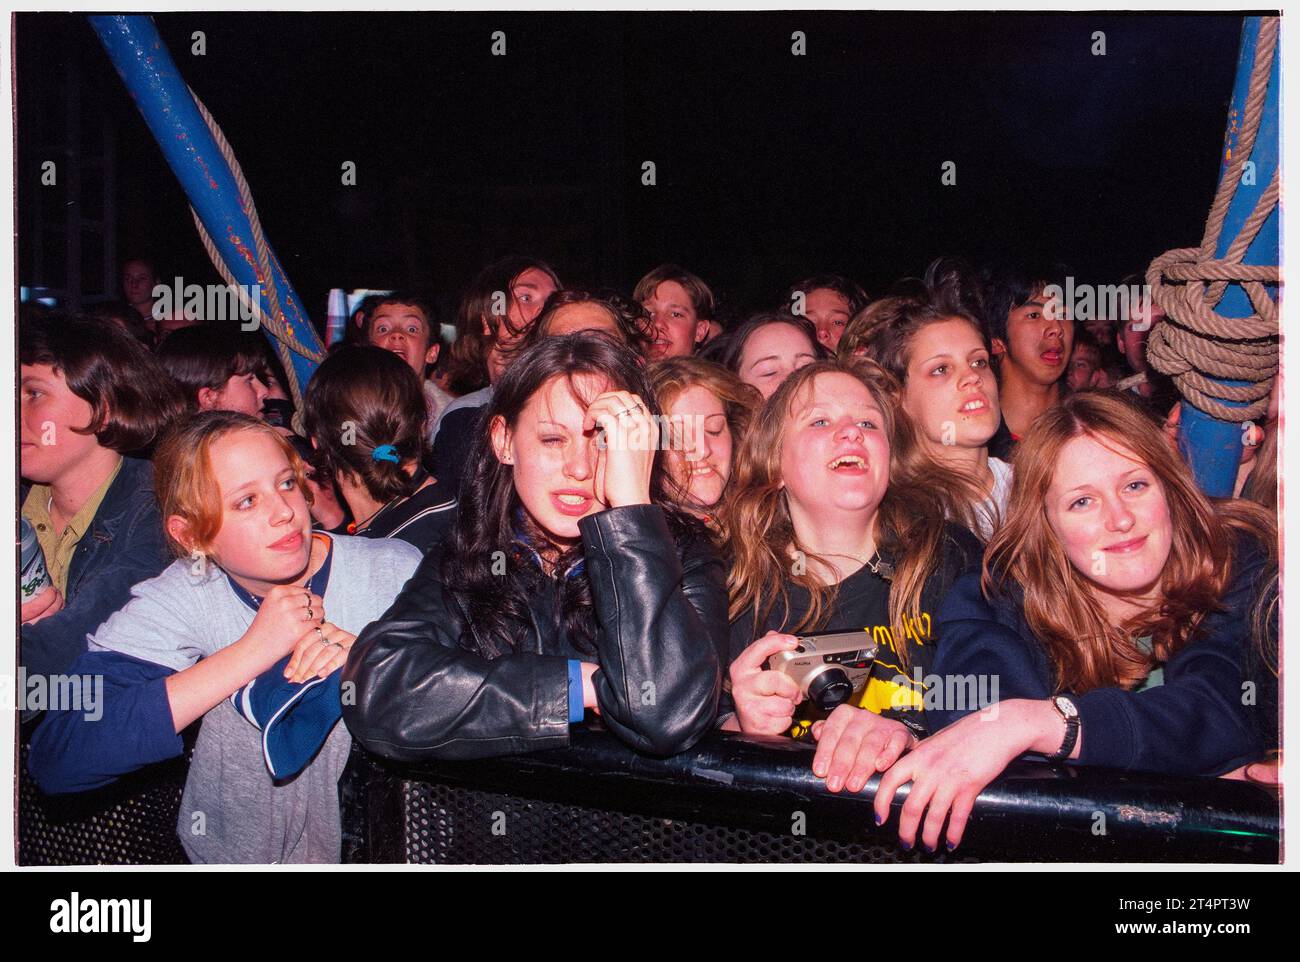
(1060, 606)
(378, 396)
(674, 375)
(887, 332)
(756, 522)
(469, 351)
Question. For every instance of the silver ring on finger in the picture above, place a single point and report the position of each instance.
(310, 614)
(320, 634)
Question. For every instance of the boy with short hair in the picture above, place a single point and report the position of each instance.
(405, 324)
(680, 305)
(1032, 339)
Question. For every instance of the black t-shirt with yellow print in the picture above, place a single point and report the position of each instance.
(862, 604)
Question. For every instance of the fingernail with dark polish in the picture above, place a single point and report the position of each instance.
(951, 846)
(907, 846)
(879, 821)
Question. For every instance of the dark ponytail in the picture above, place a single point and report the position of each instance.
(365, 409)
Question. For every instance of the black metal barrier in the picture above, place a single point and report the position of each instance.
(732, 798)
(736, 798)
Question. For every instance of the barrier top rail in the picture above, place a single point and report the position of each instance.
(1035, 811)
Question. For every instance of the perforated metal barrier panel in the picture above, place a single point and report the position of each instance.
(130, 823)
(729, 800)
(450, 825)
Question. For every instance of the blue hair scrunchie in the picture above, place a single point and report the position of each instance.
(385, 452)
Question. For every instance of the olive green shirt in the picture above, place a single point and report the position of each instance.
(57, 546)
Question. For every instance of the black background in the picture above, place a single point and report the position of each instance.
(769, 166)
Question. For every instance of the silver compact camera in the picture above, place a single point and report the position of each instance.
(828, 668)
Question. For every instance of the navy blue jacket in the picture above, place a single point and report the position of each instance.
(123, 546)
(1193, 724)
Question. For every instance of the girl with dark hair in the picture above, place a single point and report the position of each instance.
(90, 395)
(217, 370)
(1114, 609)
(364, 412)
(708, 409)
(255, 606)
(768, 347)
(568, 583)
(837, 524)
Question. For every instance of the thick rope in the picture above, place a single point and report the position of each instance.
(275, 321)
(1196, 346)
(255, 308)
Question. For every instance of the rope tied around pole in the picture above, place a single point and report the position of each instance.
(275, 321)
(1195, 345)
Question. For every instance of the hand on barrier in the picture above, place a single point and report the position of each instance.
(631, 439)
(43, 605)
(948, 770)
(320, 652)
(765, 700)
(853, 744)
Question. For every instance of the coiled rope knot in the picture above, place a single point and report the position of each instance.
(1195, 345)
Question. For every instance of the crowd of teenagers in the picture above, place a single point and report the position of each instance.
(594, 506)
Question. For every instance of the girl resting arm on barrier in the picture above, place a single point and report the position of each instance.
(256, 602)
(1113, 616)
(837, 524)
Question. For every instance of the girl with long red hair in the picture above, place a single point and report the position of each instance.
(1113, 610)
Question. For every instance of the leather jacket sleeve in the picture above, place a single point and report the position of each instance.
(416, 694)
(662, 629)
(661, 621)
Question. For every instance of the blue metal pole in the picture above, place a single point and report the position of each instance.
(1213, 447)
(141, 59)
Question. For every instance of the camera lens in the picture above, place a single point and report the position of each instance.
(830, 688)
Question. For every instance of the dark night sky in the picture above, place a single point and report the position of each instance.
(769, 166)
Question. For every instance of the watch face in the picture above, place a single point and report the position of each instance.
(1066, 707)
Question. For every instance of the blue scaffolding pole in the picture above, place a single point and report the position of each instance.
(145, 66)
(1213, 447)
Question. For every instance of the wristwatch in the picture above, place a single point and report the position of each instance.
(1069, 712)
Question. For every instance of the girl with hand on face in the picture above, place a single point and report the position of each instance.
(830, 532)
(1114, 609)
(253, 586)
(937, 348)
(709, 410)
(569, 582)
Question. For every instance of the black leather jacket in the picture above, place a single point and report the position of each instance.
(422, 691)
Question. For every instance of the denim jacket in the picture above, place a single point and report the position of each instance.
(123, 546)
